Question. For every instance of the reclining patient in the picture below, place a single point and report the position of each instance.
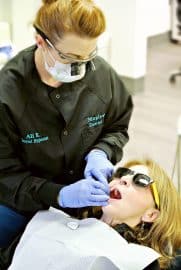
(140, 227)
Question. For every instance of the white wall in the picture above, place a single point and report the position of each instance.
(22, 19)
(129, 23)
(124, 22)
(5, 10)
(157, 15)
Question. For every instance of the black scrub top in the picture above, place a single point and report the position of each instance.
(46, 132)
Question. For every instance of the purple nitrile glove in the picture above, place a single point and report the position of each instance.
(85, 192)
(98, 167)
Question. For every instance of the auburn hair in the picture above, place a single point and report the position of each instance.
(58, 17)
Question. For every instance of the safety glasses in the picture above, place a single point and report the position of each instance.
(141, 180)
(62, 55)
(72, 59)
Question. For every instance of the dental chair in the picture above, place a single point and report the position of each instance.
(176, 264)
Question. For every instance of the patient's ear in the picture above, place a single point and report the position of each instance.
(150, 215)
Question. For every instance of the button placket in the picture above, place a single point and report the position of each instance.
(71, 172)
(57, 96)
(65, 132)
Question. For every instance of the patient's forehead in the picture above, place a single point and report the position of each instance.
(140, 169)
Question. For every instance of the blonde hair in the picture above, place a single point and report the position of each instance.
(164, 235)
(58, 17)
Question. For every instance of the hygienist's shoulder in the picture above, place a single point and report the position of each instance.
(105, 81)
(16, 80)
(17, 67)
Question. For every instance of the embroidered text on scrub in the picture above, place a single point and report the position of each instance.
(95, 120)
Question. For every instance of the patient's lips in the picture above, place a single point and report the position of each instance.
(115, 194)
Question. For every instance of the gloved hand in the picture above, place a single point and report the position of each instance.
(98, 167)
(85, 192)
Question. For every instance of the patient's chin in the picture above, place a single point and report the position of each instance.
(104, 208)
(111, 203)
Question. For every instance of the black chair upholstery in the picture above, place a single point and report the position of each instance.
(176, 264)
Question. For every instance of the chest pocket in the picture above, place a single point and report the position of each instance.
(90, 135)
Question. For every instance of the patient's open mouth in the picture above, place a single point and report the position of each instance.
(115, 194)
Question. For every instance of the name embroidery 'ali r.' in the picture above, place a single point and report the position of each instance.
(34, 138)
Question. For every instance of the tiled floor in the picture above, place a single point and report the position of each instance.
(153, 127)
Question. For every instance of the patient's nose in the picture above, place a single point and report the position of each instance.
(126, 180)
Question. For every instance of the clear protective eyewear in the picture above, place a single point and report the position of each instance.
(141, 180)
(65, 56)
(72, 59)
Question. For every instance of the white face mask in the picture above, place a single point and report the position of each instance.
(62, 72)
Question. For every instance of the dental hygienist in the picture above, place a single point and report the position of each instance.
(64, 116)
